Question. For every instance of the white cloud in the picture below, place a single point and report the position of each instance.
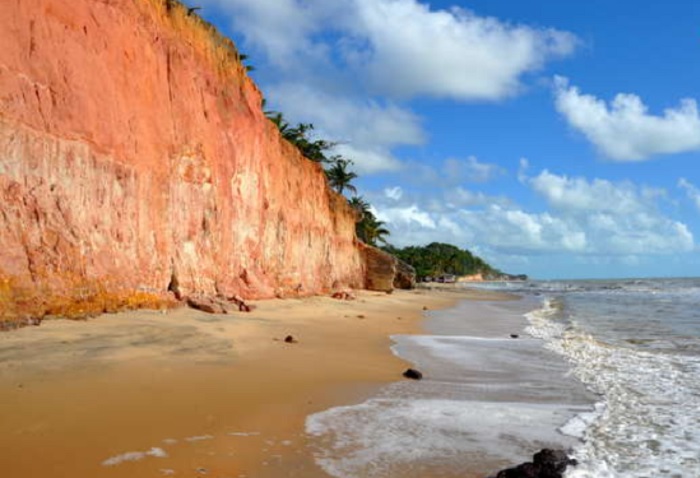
(471, 169)
(451, 173)
(624, 130)
(460, 197)
(394, 193)
(691, 191)
(617, 218)
(445, 53)
(372, 159)
(578, 194)
(587, 218)
(411, 215)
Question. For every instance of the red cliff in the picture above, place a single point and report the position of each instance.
(134, 157)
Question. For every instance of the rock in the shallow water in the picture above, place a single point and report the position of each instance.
(545, 464)
(553, 461)
(514, 336)
(413, 374)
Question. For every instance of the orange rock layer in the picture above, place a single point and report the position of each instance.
(134, 157)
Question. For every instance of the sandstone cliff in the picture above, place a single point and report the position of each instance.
(134, 157)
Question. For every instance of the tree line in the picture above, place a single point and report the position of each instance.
(438, 258)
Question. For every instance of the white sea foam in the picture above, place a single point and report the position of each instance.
(135, 456)
(577, 425)
(648, 423)
(385, 437)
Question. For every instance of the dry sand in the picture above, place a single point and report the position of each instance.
(184, 393)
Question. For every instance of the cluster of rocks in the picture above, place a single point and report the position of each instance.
(384, 272)
(545, 463)
(343, 295)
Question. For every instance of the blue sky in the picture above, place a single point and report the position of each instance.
(557, 139)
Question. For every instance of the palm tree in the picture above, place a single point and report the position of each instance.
(371, 230)
(360, 205)
(243, 57)
(339, 177)
(278, 119)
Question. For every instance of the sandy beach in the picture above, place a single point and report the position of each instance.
(184, 393)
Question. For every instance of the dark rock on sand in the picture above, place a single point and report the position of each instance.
(413, 374)
(545, 464)
(205, 304)
(218, 304)
(290, 339)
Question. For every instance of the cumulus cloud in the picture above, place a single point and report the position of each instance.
(445, 53)
(598, 195)
(624, 130)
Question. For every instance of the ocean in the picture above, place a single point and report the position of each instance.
(608, 369)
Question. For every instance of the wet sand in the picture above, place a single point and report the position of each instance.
(183, 393)
(488, 401)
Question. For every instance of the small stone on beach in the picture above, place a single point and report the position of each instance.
(290, 339)
(413, 374)
(514, 336)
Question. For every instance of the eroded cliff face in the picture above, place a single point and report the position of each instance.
(134, 156)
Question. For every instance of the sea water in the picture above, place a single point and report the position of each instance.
(607, 369)
(636, 344)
